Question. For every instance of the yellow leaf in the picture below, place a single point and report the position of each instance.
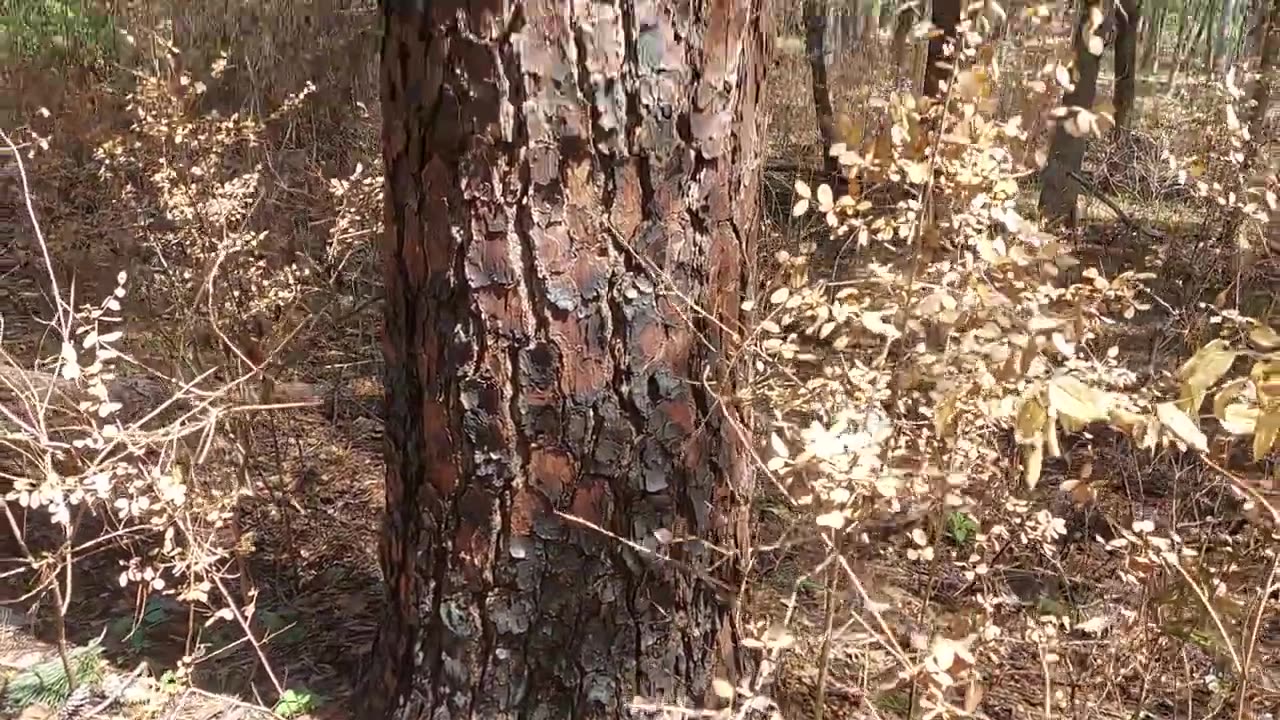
(1201, 371)
(1126, 420)
(779, 446)
(1226, 394)
(1072, 398)
(825, 198)
(1032, 463)
(874, 321)
(848, 130)
(1209, 364)
(1051, 436)
(1264, 438)
(834, 520)
(1264, 338)
(723, 688)
(1266, 379)
(1182, 426)
(1031, 419)
(918, 172)
(1239, 419)
(1063, 76)
(945, 412)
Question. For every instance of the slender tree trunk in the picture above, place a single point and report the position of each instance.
(1210, 22)
(1151, 44)
(886, 9)
(907, 16)
(1257, 28)
(942, 47)
(1128, 14)
(1263, 91)
(1267, 71)
(1222, 38)
(565, 183)
(1059, 192)
(871, 24)
(1259, 142)
(1191, 42)
(815, 13)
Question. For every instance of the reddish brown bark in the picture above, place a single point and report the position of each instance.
(565, 183)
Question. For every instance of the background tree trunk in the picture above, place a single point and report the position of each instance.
(1222, 38)
(1210, 23)
(1128, 14)
(1268, 68)
(1154, 31)
(906, 19)
(561, 180)
(939, 60)
(815, 17)
(1189, 42)
(1058, 192)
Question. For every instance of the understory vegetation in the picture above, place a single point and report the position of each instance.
(1009, 462)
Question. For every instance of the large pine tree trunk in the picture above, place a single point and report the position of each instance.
(572, 207)
(1128, 15)
(1059, 191)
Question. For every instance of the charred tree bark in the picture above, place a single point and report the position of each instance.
(565, 182)
(1128, 15)
(942, 47)
(1058, 191)
(815, 19)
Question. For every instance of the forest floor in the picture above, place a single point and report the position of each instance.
(311, 511)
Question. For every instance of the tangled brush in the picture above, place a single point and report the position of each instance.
(1131, 163)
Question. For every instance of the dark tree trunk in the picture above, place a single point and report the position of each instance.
(572, 209)
(1059, 191)
(1257, 28)
(942, 47)
(815, 18)
(1128, 15)
(906, 19)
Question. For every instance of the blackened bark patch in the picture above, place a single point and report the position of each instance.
(549, 229)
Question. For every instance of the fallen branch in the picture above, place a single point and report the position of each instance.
(1088, 186)
(140, 396)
